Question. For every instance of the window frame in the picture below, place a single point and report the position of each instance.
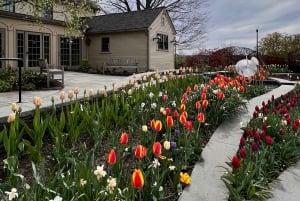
(162, 42)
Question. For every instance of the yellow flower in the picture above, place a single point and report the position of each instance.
(129, 92)
(11, 118)
(185, 178)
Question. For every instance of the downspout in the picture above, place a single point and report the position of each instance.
(148, 49)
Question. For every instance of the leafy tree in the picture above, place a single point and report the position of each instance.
(279, 45)
(188, 16)
(72, 10)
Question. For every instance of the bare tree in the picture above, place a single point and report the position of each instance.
(189, 16)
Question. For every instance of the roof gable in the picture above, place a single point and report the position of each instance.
(119, 22)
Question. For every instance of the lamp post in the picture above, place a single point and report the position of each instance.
(257, 43)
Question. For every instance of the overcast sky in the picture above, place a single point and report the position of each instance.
(234, 22)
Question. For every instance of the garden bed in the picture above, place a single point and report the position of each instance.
(67, 146)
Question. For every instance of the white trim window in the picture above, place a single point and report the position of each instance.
(163, 42)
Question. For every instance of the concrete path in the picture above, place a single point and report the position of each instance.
(72, 79)
(206, 184)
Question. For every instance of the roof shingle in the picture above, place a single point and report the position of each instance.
(119, 22)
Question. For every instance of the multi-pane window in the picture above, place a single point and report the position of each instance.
(1, 46)
(69, 51)
(47, 47)
(105, 44)
(34, 49)
(162, 42)
(31, 46)
(8, 5)
(20, 45)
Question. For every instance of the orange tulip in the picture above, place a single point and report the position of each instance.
(185, 114)
(198, 105)
(201, 117)
(170, 121)
(140, 151)
(123, 138)
(182, 119)
(158, 125)
(156, 148)
(182, 107)
(111, 157)
(137, 179)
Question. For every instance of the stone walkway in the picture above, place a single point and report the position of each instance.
(206, 184)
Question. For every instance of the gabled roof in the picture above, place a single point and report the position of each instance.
(119, 22)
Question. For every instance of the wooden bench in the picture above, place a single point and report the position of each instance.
(50, 71)
(122, 64)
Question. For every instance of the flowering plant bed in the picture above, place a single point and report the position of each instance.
(270, 144)
(138, 142)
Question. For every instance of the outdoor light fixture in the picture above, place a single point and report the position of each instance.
(156, 38)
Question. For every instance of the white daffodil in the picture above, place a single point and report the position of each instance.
(111, 184)
(12, 194)
(100, 172)
(57, 198)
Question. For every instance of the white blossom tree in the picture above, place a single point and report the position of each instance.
(73, 11)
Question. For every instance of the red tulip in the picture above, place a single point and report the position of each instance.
(198, 105)
(175, 114)
(168, 111)
(137, 179)
(170, 121)
(268, 140)
(220, 95)
(156, 148)
(123, 138)
(205, 103)
(235, 162)
(242, 142)
(201, 117)
(111, 157)
(243, 153)
(188, 125)
(241, 89)
(281, 131)
(140, 151)
(203, 96)
(254, 146)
